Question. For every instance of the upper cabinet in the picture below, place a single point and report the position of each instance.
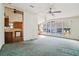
(6, 21)
(18, 25)
(14, 14)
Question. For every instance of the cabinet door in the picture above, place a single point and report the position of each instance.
(18, 36)
(6, 21)
(8, 37)
(18, 25)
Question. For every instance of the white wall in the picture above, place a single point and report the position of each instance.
(75, 28)
(72, 22)
(30, 25)
(1, 25)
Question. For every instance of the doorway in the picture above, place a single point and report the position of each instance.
(13, 25)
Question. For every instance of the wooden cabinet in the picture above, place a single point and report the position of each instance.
(12, 24)
(18, 36)
(18, 25)
(6, 21)
(8, 37)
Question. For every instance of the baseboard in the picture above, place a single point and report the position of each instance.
(1, 46)
(61, 37)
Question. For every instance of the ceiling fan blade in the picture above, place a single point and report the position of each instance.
(52, 12)
(56, 12)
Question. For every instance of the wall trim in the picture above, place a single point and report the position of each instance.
(60, 37)
(1, 46)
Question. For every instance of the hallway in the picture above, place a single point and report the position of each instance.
(43, 46)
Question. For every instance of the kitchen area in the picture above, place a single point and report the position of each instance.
(13, 25)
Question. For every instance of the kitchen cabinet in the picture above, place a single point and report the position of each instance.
(8, 37)
(6, 21)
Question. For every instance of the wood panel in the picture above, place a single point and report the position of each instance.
(6, 21)
(18, 25)
(8, 37)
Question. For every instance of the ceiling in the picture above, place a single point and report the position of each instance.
(37, 7)
(68, 9)
(43, 7)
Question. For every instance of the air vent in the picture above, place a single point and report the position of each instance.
(32, 6)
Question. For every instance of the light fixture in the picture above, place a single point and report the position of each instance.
(32, 6)
(14, 10)
(11, 25)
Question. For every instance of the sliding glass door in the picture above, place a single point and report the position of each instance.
(53, 27)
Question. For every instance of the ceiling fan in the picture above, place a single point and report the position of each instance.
(53, 12)
(17, 11)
